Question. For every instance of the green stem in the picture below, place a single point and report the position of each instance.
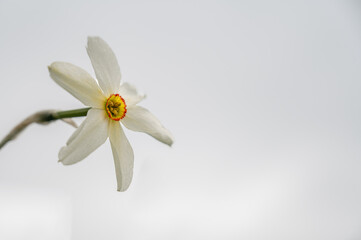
(44, 117)
(70, 113)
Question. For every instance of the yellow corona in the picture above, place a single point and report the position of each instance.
(116, 107)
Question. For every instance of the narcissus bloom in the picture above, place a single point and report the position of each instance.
(112, 102)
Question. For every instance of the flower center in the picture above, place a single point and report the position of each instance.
(116, 107)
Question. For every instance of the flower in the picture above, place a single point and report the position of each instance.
(111, 102)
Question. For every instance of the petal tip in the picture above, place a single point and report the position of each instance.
(122, 188)
(170, 139)
(62, 162)
(92, 39)
(51, 67)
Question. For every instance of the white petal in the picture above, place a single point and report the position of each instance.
(89, 136)
(78, 83)
(123, 156)
(105, 65)
(130, 94)
(141, 120)
(77, 131)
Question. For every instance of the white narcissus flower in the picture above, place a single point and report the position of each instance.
(111, 102)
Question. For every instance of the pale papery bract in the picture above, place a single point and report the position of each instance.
(100, 122)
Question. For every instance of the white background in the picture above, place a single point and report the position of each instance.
(263, 99)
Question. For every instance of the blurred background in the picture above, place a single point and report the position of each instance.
(263, 99)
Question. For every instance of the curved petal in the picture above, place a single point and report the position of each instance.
(130, 94)
(89, 136)
(105, 65)
(123, 156)
(78, 83)
(141, 120)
